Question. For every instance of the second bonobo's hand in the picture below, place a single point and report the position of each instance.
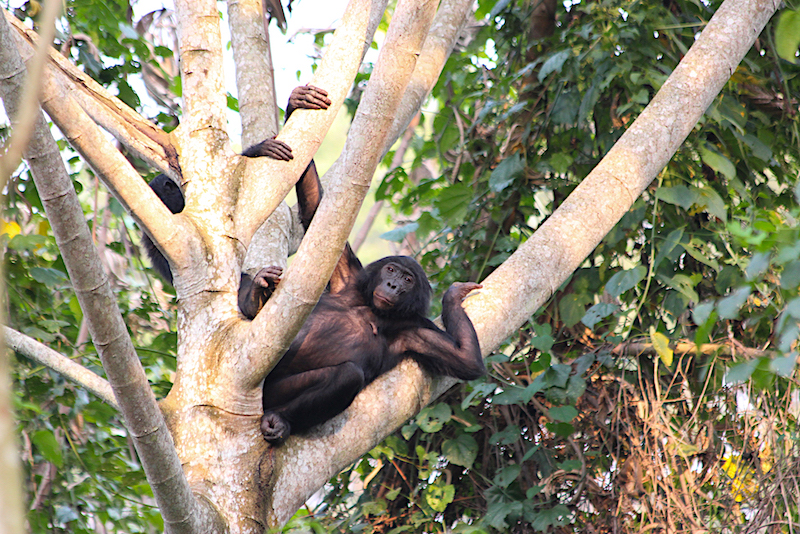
(459, 290)
(271, 148)
(308, 97)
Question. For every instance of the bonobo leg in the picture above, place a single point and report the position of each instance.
(299, 402)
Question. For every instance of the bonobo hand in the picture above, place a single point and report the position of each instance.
(307, 97)
(275, 428)
(254, 292)
(459, 290)
(271, 148)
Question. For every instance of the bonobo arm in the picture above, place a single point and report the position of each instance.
(454, 352)
(254, 291)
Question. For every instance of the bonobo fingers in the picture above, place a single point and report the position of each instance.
(271, 148)
(268, 277)
(274, 428)
(459, 290)
(309, 97)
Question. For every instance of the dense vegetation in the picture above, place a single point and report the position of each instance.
(655, 391)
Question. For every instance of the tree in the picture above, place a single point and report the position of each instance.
(208, 421)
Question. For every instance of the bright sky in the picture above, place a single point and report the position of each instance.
(291, 53)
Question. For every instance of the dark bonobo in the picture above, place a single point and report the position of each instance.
(367, 321)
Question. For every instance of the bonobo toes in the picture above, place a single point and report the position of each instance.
(274, 428)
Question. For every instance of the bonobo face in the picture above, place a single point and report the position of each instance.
(395, 282)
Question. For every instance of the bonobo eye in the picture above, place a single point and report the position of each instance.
(390, 268)
(409, 280)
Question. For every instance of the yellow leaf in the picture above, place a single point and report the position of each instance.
(11, 228)
(661, 345)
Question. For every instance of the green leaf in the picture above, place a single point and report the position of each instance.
(702, 312)
(741, 372)
(563, 413)
(625, 280)
(571, 308)
(512, 394)
(453, 202)
(46, 443)
(438, 497)
(433, 418)
(669, 244)
(661, 345)
(679, 195)
(554, 63)
(398, 234)
(681, 283)
(728, 307)
(507, 436)
(461, 451)
(710, 201)
(506, 172)
(787, 35)
(507, 475)
(598, 312)
(52, 278)
(784, 366)
(718, 162)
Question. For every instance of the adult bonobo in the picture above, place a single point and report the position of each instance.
(363, 326)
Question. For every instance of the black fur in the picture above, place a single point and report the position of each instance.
(170, 194)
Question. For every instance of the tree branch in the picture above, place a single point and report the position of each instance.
(139, 135)
(74, 372)
(203, 87)
(514, 291)
(109, 333)
(255, 79)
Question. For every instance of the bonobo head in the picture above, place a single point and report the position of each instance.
(169, 193)
(395, 286)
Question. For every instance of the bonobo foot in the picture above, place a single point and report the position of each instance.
(254, 292)
(274, 428)
(268, 277)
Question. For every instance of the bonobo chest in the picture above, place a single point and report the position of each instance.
(337, 333)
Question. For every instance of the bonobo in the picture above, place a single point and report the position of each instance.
(363, 326)
(253, 291)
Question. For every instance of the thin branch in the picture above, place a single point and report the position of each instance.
(30, 95)
(255, 80)
(687, 347)
(321, 248)
(143, 418)
(74, 372)
(513, 292)
(139, 135)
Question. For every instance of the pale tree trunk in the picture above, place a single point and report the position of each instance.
(231, 480)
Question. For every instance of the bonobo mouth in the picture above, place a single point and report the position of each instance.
(382, 302)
